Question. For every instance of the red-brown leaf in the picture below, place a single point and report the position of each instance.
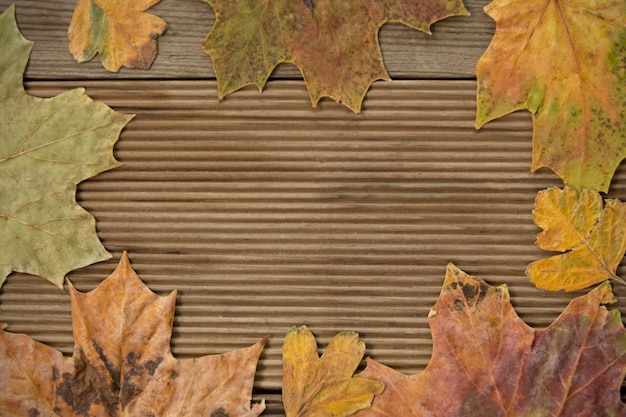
(487, 362)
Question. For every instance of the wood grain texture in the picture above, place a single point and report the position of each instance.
(265, 213)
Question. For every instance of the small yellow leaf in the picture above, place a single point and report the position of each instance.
(314, 386)
(120, 31)
(593, 238)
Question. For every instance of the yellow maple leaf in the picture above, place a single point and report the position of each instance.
(120, 31)
(592, 237)
(324, 386)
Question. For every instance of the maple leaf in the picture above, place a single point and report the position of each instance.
(48, 146)
(334, 43)
(120, 31)
(487, 362)
(564, 62)
(593, 238)
(122, 364)
(314, 386)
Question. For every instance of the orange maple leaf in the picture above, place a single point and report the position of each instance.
(564, 62)
(120, 31)
(122, 364)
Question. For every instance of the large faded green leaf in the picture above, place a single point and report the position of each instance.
(48, 146)
(564, 61)
(334, 43)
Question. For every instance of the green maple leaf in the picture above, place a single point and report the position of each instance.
(564, 61)
(48, 147)
(334, 43)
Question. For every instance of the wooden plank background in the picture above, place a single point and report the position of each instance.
(265, 213)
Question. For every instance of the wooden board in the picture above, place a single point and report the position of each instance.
(265, 213)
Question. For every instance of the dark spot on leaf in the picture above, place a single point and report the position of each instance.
(33, 412)
(57, 410)
(73, 392)
(458, 305)
(55, 373)
(92, 385)
(115, 373)
(132, 358)
(151, 366)
(128, 393)
(469, 292)
(475, 293)
(174, 374)
(219, 412)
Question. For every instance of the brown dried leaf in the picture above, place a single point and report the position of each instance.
(122, 364)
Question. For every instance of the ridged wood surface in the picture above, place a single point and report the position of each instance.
(265, 213)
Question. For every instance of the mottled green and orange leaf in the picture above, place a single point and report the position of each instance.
(324, 386)
(591, 235)
(564, 61)
(120, 31)
(334, 43)
(487, 362)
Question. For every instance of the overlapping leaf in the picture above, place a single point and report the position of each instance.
(593, 238)
(48, 146)
(324, 386)
(564, 62)
(120, 31)
(122, 364)
(487, 362)
(334, 43)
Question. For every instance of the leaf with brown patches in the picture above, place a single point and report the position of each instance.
(334, 43)
(122, 364)
(120, 31)
(314, 386)
(592, 237)
(47, 147)
(487, 362)
(564, 62)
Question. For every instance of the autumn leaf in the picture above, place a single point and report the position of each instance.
(334, 43)
(487, 362)
(324, 386)
(564, 62)
(593, 238)
(120, 31)
(122, 364)
(48, 146)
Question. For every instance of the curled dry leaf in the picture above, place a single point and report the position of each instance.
(593, 238)
(487, 362)
(48, 147)
(120, 31)
(324, 386)
(334, 43)
(564, 62)
(122, 364)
